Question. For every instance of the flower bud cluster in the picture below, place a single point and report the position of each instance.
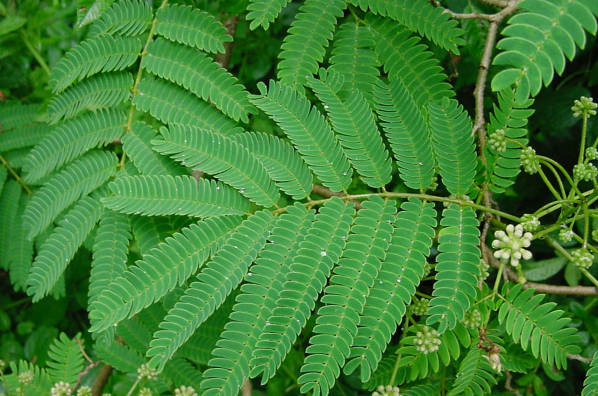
(427, 340)
(530, 222)
(581, 258)
(61, 389)
(185, 391)
(473, 319)
(512, 243)
(585, 172)
(592, 153)
(84, 391)
(565, 235)
(529, 160)
(484, 267)
(498, 141)
(584, 106)
(25, 378)
(145, 392)
(145, 371)
(387, 390)
(420, 306)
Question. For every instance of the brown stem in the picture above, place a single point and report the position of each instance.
(247, 388)
(508, 386)
(496, 3)
(323, 191)
(223, 59)
(100, 381)
(15, 175)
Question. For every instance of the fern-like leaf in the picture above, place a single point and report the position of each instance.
(110, 251)
(20, 249)
(94, 55)
(538, 326)
(71, 139)
(15, 114)
(199, 74)
(397, 280)
(457, 267)
(353, 56)
(353, 121)
(77, 179)
(281, 161)
(419, 16)
(309, 132)
(216, 280)
(510, 116)
(233, 352)
(453, 145)
(475, 376)
(218, 155)
(9, 206)
(126, 18)
(23, 136)
(97, 92)
(150, 231)
(346, 294)
(537, 41)
(60, 247)
(590, 385)
(172, 104)
(65, 359)
(192, 27)
(119, 356)
(182, 373)
(407, 59)
(180, 195)
(407, 132)
(308, 273)
(164, 267)
(263, 12)
(305, 44)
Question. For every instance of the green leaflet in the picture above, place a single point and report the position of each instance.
(192, 27)
(164, 267)
(65, 359)
(182, 373)
(216, 280)
(475, 376)
(590, 385)
(419, 16)
(71, 139)
(20, 249)
(353, 121)
(234, 350)
(172, 104)
(538, 326)
(198, 73)
(305, 44)
(282, 163)
(346, 294)
(137, 145)
(457, 267)
(60, 247)
(14, 114)
(510, 116)
(219, 156)
(125, 17)
(169, 195)
(98, 92)
(150, 231)
(406, 128)
(9, 206)
(353, 56)
(537, 41)
(119, 356)
(399, 276)
(263, 12)
(407, 59)
(110, 251)
(308, 272)
(75, 180)
(308, 130)
(94, 55)
(23, 136)
(453, 145)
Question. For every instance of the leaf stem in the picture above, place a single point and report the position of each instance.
(15, 175)
(40, 60)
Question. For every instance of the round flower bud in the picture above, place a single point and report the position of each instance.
(585, 172)
(584, 106)
(581, 258)
(420, 306)
(473, 319)
(145, 392)
(529, 160)
(185, 391)
(565, 235)
(530, 222)
(84, 391)
(591, 153)
(484, 267)
(511, 244)
(427, 340)
(145, 371)
(25, 378)
(61, 389)
(387, 390)
(498, 141)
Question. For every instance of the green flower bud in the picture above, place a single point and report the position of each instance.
(529, 160)
(581, 258)
(584, 106)
(427, 340)
(530, 222)
(498, 141)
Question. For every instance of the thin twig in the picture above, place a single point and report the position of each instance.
(508, 385)
(579, 358)
(223, 59)
(496, 3)
(15, 174)
(90, 366)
